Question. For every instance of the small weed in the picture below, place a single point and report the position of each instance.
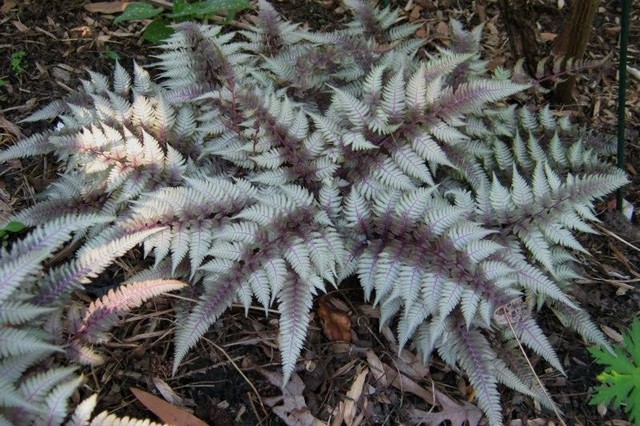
(111, 54)
(159, 28)
(17, 62)
(621, 376)
(12, 227)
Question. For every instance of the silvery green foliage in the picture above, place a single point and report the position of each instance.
(272, 162)
(39, 353)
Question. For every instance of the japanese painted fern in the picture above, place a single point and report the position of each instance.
(41, 349)
(269, 163)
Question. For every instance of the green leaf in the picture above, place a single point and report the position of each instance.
(621, 376)
(137, 12)
(157, 31)
(206, 8)
(179, 6)
(14, 226)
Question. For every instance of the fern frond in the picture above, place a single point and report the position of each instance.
(471, 350)
(15, 342)
(57, 404)
(102, 313)
(106, 419)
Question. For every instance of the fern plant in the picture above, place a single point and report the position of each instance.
(266, 164)
(39, 353)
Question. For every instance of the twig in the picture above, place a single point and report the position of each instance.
(614, 235)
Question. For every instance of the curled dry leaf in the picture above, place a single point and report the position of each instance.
(335, 323)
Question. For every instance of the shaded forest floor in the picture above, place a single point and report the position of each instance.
(229, 377)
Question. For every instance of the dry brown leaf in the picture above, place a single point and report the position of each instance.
(353, 395)
(293, 409)
(411, 365)
(338, 415)
(415, 14)
(614, 335)
(335, 323)
(166, 391)
(10, 127)
(405, 384)
(20, 26)
(8, 5)
(107, 7)
(548, 36)
(166, 412)
(442, 28)
(481, 10)
(377, 369)
(422, 32)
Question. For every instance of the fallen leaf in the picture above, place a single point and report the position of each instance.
(481, 10)
(548, 36)
(8, 5)
(10, 127)
(443, 28)
(422, 32)
(614, 335)
(335, 323)
(166, 391)
(292, 408)
(353, 395)
(377, 369)
(20, 26)
(106, 7)
(166, 412)
(415, 14)
(405, 384)
(635, 73)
